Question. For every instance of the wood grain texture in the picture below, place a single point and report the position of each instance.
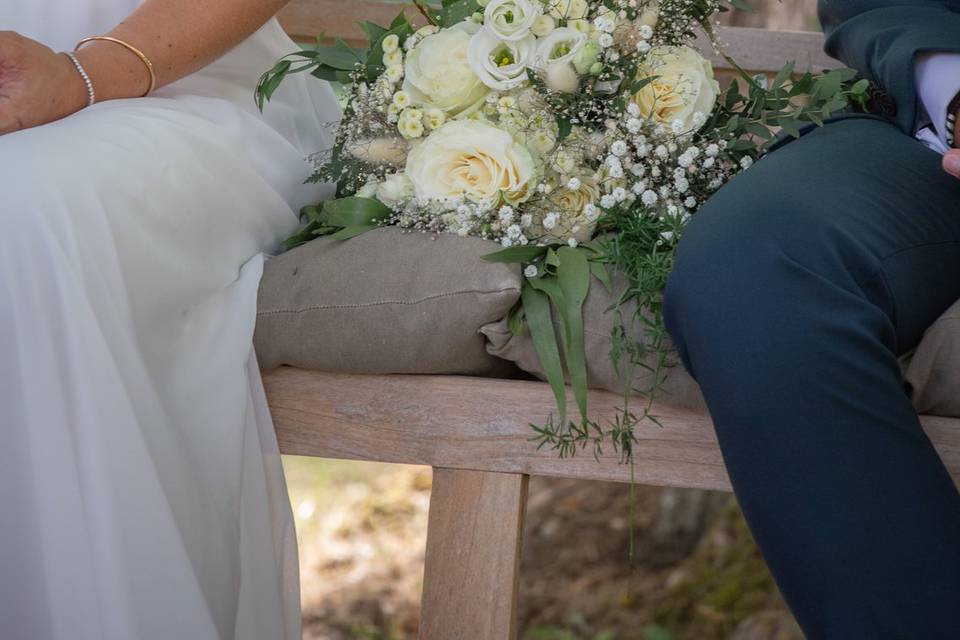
(473, 555)
(473, 423)
(754, 49)
(484, 424)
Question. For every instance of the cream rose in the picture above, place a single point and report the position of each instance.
(472, 159)
(500, 64)
(437, 72)
(510, 19)
(683, 85)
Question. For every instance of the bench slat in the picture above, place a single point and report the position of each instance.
(483, 424)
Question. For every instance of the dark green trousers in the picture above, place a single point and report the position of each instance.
(794, 290)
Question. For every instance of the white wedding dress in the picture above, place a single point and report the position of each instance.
(141, 493)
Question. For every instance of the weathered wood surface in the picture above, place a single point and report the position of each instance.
(754, 49)
(484, 424)
(473, 555)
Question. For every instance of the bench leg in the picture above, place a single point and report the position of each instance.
(473, 555)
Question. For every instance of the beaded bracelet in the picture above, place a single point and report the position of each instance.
(91, 94)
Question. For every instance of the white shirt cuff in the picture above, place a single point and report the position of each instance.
(938, 82)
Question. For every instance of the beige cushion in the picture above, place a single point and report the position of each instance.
(932, 370)
(385, 302)
(678, 389)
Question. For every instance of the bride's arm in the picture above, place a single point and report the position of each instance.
(38, 85)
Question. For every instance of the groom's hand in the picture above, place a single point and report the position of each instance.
(951, 162)
(37, 86)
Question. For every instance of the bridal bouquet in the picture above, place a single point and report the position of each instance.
(580, 135)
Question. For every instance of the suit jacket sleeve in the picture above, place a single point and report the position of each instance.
(880, 39)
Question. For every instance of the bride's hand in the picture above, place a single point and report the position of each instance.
(37, 85)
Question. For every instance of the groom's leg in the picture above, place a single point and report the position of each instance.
(793, 291)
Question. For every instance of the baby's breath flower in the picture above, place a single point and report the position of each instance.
(572, 242)
(690, 202)
(619, 194)
(712, 149)
(550, 220)
(605, 40)
(746, 162)
(530, 270)
(649, 197)
(607, 201)
(643, 46)
(661, 151)
(618, 148)
(573, 183)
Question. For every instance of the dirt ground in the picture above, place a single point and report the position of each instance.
(695, 575)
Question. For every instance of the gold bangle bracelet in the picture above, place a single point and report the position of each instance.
(132, 49)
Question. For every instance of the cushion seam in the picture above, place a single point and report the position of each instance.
(378, 303)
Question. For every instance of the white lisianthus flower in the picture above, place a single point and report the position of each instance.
(683, 85)
(390, 43)
(543, 25)
(471, 159)
(568, 9)
(437, 72)
(510, 19)
(559, 47)
(500, 64)
(395, 190)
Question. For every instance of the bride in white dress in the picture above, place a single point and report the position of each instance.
(141, 493)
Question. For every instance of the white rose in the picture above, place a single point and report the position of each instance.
(568, 9)
(472, 159)
(500, 64)
(560, 46)
(394, 190)
(510, 19)
(437, 73)
(683, 86)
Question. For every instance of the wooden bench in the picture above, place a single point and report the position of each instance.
(476, 434)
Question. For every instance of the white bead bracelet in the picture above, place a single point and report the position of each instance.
(91, 94)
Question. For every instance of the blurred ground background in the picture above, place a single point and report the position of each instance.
(697, 574)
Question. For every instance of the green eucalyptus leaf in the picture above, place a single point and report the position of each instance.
(536, 307)
(457, 11)
(354, 211)
(527, 253)
(573, 276)
(351, 232)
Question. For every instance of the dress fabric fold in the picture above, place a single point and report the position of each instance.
(141, 491)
